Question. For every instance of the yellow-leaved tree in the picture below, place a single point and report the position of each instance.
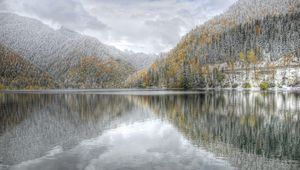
(252, 58)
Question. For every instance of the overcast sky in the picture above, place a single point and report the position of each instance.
(149, 26)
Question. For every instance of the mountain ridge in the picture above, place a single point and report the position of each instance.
(58, 51)
(204, 54)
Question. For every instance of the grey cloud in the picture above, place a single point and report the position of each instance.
(168, 30)
(69, 13)
(138, 25)
(2, 5)
(95, 24)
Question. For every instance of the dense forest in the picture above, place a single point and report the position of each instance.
(16, 72)
(92, 72)
(234, 57)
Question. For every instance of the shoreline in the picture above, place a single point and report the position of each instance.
(128, 90)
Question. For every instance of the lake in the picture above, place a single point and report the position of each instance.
(147, 129)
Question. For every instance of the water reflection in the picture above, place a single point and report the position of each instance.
(207, 130)
(242, 126)
(33, 124)
(144, 145)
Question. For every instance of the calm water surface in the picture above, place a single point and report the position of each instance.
(128, 130)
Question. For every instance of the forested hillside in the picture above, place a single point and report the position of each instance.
(92, 72)
(16, 72)
(242, 47)
(62, 53)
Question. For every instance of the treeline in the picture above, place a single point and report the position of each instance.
(197, 60)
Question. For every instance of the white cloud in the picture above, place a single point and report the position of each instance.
(138, 25)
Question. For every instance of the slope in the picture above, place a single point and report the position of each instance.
(57, 51)
(16, 72)
(254, 41)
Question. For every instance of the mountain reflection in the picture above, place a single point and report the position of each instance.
(249, 129)
(32, 124)
(266, 125)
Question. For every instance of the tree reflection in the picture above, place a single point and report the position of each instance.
(32, 124)
(260, 124)
(244, 127)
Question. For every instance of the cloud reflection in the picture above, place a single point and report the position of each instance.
(153, 144)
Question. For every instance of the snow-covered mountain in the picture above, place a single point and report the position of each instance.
(245, 11)
(43, 45)
(57, 51)
(17, 72)
(249, 33)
